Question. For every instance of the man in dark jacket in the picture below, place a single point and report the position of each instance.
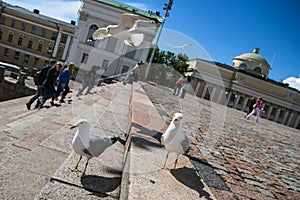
(41, 76)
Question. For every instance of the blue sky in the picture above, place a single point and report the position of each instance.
(224, 29)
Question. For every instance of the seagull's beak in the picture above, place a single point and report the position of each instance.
(73, 127)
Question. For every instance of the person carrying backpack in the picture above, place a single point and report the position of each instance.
(39, 78)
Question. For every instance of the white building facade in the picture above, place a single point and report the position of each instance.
(111, 54)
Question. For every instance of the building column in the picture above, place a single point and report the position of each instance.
(290, 119)
(285, 117)
(220, 97)
(213, 92)
(204, 91)
(269, 112)
(66, 47)
(244, 104)
(236, 101)
(56, 44)
(297, 121)
(228, 98)
(197, 87)
(277, 114)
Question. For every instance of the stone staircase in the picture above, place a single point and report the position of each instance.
(36, 151)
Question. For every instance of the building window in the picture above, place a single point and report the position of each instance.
(3, 20)
(105, 64)
(26, 58)
(44, 33)
(84, 58)
(36, 60)
(6, 52)
(257, 69)
(33, 30)
(60, 52)
(20, 40)
(40, 46)
(54, 35)
(92, 29)
(13, 23)
(23, 28)
(64, 39)
(30, 42)
(125, 69)
(243, 66)
(10, 36)
(50, 48)
(17, 54)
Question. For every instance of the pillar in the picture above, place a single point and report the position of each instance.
(236, 101)
(197, 88)
(204, 91)
(269, 112)
(220, 96)
(66, 47)
(290, 119)
(277, 114)
(228, 98)
(21, 80)
(56, 44)
(244, 104)
(285, 117)
(297, 121)
(213, 92)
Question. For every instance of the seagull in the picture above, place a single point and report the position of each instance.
(181, 47)
(123, 31)
(174, 139)
(88, 146)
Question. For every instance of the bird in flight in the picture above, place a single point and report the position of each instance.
(181, 47)
(124, 30)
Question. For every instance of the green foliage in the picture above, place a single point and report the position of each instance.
(166, 67)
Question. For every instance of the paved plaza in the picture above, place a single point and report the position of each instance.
(230, 157)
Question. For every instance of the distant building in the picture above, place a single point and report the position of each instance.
(29, 39)
(234, 85)
(111, 54)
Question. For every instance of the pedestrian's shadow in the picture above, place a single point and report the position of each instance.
(191, 179)
(99, 185)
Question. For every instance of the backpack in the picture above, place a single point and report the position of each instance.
(37, 76)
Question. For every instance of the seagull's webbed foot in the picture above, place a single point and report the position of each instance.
(80, 175)
(73, 169)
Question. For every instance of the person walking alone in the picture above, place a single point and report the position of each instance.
(256, 109)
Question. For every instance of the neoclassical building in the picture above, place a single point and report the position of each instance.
(29, 39)
(234, 85)
(111, 54)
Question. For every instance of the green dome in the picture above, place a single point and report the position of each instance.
(254, 56)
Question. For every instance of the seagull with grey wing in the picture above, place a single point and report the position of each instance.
(87, 145)
(124, 30)
(174, 139)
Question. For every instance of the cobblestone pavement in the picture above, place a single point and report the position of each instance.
(238, 159)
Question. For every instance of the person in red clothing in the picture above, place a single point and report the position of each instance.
(256, 108)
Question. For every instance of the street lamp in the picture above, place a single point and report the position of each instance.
(167, 7)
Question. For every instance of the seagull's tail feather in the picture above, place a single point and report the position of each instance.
(135, 39)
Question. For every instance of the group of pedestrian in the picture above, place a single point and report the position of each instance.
(88, 81)
(52, 81)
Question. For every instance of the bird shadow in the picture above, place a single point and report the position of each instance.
(190, 178)
(100, 185)
(145, 131)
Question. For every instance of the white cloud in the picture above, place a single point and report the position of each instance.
(64, 10)
(293, 82)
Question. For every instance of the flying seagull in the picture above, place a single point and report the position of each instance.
(87, 145)
(174, 139)
(124, 30)
(181, 47)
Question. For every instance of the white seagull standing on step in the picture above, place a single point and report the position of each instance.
(123, 31)
(174, 139)
(88, 146)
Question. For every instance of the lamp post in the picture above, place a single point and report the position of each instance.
(167, 7)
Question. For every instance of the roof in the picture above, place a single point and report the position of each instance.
(27, 12)
(128, 8)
